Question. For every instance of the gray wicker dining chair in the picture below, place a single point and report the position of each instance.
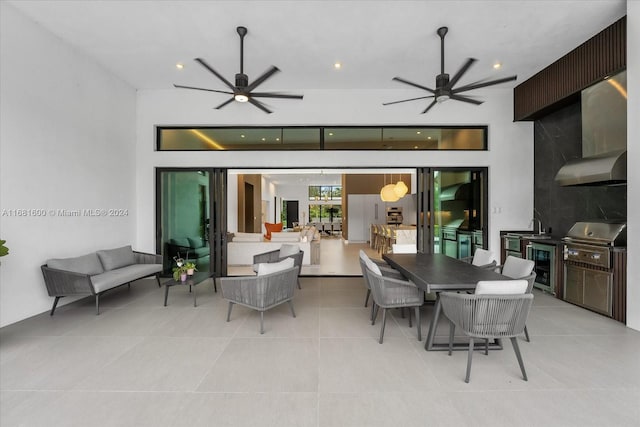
(391, 292)
(262, 292)
(519, 268)
(481, 258)
(488, 316)
(277, 255)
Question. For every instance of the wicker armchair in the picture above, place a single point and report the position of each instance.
(391, 292)
(487, 316)
(481, 258)
(261, 292)
(274, 256)
(519, 268)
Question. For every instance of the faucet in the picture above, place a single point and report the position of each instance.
(532, 223)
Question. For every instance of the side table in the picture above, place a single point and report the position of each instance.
(192, 282)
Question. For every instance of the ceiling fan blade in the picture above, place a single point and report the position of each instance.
(262, 78)
(483, 84)
(460, 72)
(274, 95)
(465, 99)
(406, 100)
(229, 101)
(218, 75)
(201, 88)
(260, 105)
(430, 106)
(401, 80)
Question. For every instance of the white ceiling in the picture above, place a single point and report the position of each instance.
(141, 41)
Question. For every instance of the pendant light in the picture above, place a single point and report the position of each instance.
(400, 188)
(388, 193)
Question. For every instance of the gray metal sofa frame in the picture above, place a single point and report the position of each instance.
(61, 283)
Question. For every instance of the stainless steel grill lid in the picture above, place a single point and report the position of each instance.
(601, 233)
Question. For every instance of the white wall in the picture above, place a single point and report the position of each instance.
(633, 147)
(66, 139)
(509, 157)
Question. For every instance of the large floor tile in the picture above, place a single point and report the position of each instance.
(59, 363)
(265, 364)
(248, 410)
(362, 365)
(388, 409)
(158, 364)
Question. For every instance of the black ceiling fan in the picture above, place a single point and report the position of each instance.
(444, 86)
(243, 91)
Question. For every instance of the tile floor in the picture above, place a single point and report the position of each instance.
(141, 364)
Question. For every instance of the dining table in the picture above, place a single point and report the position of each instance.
(435, 273)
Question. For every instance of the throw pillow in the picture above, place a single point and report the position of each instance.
(195, 242)
(180, 241)
(286, 250)
(116, 258)
(265, 268)
(271, 228)
(86, 264)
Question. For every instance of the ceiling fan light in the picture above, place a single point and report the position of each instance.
(387, 194)
(400, 189)
(442, 98)
(241, 97)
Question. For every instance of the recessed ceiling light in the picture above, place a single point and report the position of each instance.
(428, 137)
(264, 139)
(179, 65)
(337, 65)
(418, 133)
(330, 133)
(277, 139)
(497, 65)
(242, 136)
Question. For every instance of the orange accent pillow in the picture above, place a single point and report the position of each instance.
(272, 228)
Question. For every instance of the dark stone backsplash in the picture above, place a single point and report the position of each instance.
(557, 139)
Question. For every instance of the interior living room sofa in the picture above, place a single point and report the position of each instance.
(243, 246)
(187, 247)
(98, 272)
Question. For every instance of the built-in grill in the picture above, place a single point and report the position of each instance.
(595, 267)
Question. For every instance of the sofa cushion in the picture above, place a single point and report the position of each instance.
(195, 242)
(116, 258)
(287, 249)
(265, 268)
(180, 241)
(285, 236)
(271, 228)
(85, 264)
(120, 276)
(247, 237)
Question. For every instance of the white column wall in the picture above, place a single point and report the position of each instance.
(510, 155)
(633, 154)
(66, 143)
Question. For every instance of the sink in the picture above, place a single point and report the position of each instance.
(529, 236)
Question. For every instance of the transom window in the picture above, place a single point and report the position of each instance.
(321, 138)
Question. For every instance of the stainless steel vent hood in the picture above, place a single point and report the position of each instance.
(605, 169)
(604, 136)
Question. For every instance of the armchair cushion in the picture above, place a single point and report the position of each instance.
(180, 241)
(273, 267)
(195, 242)
(116, 258)
(501, 287)
(288, 250)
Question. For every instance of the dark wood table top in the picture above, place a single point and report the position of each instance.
(438, 272)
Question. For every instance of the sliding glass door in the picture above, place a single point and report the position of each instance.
(452, 210)
(191, 218)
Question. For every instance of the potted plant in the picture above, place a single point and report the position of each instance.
(191, 267)
(180, 273)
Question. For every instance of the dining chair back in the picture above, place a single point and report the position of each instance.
(499, 310)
